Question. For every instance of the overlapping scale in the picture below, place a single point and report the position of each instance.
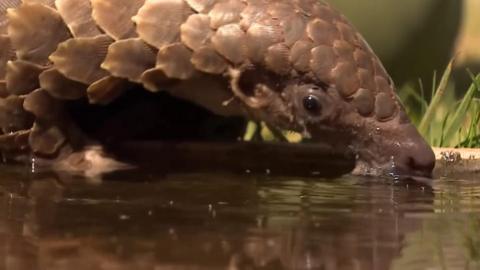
(60, 87)
(4, 5)
(207, 60)
(114, 17)
(12, 116)
(35, 30)
(292, 22)
(79, 59)
(344, 51)
(277, 59)
(322, 32)
(42, 105)
(293, 28)
(301, 55)
(158, 21)
(254, 12)
(129, 58)
(348, 33)
(305, 6)
(22, 77)
(366, 79)
(384, 106)
(46, 139)
(201, 6)
(280, 9)
(155, 80)
(78, 17)
(230, 41)
(345, 80)
(174, 61)
(363, 60)
(382, 84)
(325, 12)
(323, 61)
(196, 31)
(226, 12)
(260, 36)
(364, 101)
(106, 90)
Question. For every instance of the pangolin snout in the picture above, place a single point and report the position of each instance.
(413, 157)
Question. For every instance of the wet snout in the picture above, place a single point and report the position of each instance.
(414, 157)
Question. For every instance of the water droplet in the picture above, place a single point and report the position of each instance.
(33, 164)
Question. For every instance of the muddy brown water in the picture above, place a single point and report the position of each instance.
(144, 219)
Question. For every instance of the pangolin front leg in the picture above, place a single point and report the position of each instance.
(294, 64)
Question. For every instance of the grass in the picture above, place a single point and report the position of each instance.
(446, 121)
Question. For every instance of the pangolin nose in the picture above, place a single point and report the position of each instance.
(416, 158)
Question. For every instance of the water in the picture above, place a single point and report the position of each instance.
(141, 220)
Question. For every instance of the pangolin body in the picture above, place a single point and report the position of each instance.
(296, 64)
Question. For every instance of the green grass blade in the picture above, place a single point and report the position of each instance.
(461, 112)
(472, 130)
(434, 85)
(407, 93)
(442, 133)
(437, 98)
(250, 131)
(422, 92)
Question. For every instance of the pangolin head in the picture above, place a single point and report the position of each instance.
(334, 90)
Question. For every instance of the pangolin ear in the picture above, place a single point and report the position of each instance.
(259, 96)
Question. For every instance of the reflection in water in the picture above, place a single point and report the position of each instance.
(230, 222)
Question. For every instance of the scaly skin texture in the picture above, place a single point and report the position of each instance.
(295, 64)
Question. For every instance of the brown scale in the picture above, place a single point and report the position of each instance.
(117, 25)
(22, 77)
(106, 46)
(60, 87)
(35, 30)
(301, 55)
(129, 58)
(79, 59)
(107, 89)
(12, 116)
(229, 41)
(77, 15)
(206, 59)
(195, 32)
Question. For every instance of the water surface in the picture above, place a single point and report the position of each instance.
(141, 220)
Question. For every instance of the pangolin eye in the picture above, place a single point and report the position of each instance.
(312, 104)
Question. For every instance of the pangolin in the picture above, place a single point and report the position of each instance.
(294, 64)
